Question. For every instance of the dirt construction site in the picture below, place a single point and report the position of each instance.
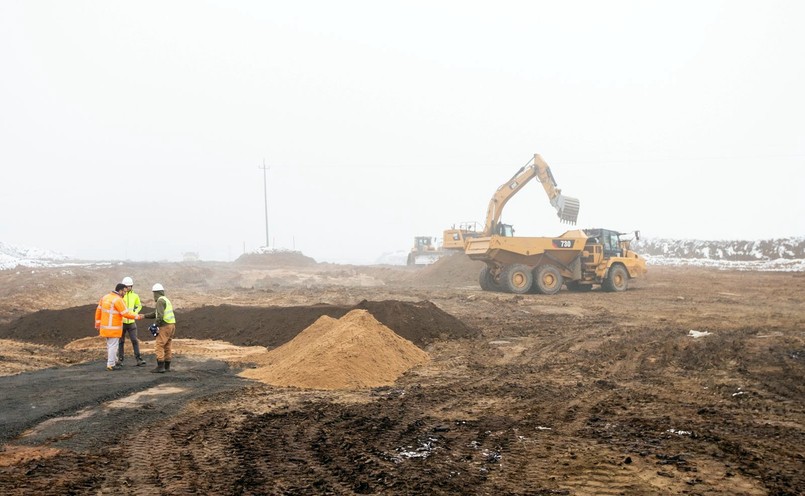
(296, 377)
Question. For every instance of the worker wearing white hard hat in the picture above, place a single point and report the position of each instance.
(133, 304)
(165, 326)
(109, 315)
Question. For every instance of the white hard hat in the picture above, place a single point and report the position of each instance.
(128, 281)
(157, 287)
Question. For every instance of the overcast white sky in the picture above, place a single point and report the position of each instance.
(135, 129)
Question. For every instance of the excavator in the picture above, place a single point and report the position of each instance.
(567, 208)
(578, 259)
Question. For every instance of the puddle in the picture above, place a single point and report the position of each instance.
(81, 415)
(148, 396)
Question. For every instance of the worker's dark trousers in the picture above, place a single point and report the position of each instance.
(131, 330)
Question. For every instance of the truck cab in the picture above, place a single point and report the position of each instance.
(609, 239)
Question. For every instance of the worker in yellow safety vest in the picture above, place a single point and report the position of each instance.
(109, 322)
(165, 329)
(133, 303)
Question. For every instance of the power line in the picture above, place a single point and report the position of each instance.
(265, 195)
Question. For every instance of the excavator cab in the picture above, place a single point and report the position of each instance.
(505, 230)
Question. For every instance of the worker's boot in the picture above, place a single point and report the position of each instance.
(140, 361)
(167, 365)
(160, 368)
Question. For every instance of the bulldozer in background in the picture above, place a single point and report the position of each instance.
(425, 251)
(578, 259)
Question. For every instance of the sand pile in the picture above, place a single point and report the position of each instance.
(454, 270)
(355, 351)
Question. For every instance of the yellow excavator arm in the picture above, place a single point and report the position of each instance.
(567, 208)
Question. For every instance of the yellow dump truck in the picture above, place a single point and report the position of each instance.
(578, 259)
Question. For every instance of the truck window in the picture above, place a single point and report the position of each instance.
(612, 245)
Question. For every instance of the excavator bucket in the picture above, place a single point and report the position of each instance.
(567, 208)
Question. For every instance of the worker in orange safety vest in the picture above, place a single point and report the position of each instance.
(109, 322)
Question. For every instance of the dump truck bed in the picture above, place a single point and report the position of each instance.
(563, 249)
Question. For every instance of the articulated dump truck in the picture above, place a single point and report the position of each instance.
(578, 259)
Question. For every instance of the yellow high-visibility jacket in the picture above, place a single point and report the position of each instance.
(132, 301)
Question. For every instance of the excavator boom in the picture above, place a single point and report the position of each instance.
(567, 208)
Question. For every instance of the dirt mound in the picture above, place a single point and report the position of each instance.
(355, 351)
(53, 327)
(420, 323)
(276, 259)
(453, 270)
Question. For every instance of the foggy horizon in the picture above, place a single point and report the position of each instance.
(137, 131)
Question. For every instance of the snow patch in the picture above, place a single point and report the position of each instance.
(781, 254)
(12, 256)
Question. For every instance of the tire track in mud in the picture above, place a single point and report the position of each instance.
(342, 449)
(557, 452)
(611, 377)
(68, 472)
(685, 417)
(92, 442)
(180, 456)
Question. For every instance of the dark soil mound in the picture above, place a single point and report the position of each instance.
(420, 323)
(276, 259)
(250, 326)
(53, 327)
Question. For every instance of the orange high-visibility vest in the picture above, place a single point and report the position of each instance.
(109, 315)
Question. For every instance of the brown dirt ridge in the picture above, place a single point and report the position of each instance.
(419, 322)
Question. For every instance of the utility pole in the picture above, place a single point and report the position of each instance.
(265, 196)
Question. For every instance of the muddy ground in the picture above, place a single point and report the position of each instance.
(576, 393)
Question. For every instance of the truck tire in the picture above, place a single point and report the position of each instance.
(486, 280)
(547, 279)
(617, 279)
(517, 279)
